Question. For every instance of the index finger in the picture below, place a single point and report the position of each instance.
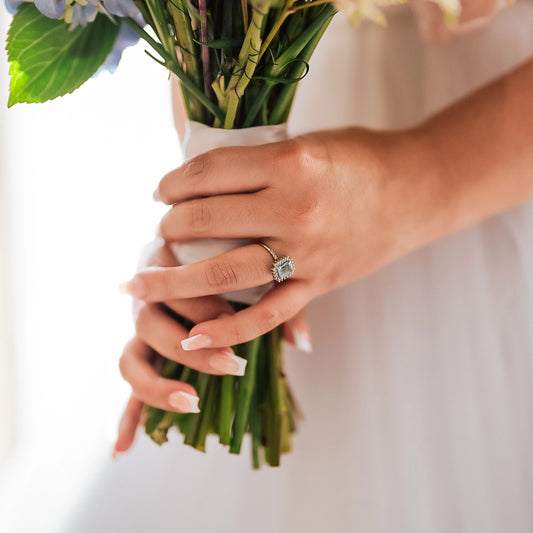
(221, 171)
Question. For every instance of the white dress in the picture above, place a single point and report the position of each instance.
(419, 392)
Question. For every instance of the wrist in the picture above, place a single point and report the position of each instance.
(416, 179)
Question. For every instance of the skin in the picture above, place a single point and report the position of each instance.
(342, 203)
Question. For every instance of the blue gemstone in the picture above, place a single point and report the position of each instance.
(284, 268)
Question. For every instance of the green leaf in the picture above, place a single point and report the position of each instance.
(48, 60)
(220, 44)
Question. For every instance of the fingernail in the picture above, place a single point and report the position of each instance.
(156, 196)
(135, 287)
(115, 453)
(302, 340)
(228, 363)
(196, 342)
(223, 315)
(184, 402)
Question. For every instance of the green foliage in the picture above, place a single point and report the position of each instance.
(48, 60)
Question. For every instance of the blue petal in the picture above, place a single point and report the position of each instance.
(13, 5)
(121, 8)
(126, 37)
(81, 15)
(53, 9)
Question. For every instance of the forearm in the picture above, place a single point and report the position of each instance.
(476, 157)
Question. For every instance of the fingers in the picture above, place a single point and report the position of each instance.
(219, 217)
(276, 307)
(157, 253)
(150, 388)
(214, 173)
(128, 426)
(200, 309)
(164, 335)
(242, 268)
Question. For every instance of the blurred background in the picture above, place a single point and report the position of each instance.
(76, 182)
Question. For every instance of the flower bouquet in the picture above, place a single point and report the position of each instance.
(238, 63)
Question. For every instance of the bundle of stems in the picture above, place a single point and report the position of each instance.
(238, 63)
(260, 403)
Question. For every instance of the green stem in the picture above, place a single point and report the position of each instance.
(196, 419)
(275, 28)
(248, 59)
(172, 65)
(318, 26)
(208, 408)
(159, 18)
(281, 109)
(277, 405)
(185, 39)
(226, 409)
(246, 388)
(255, 429)
(258, 104)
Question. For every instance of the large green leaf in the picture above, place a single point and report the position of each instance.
(48, 60)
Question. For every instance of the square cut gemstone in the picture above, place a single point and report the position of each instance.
(282, 269)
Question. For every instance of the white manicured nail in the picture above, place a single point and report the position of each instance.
(228, 363)
(196, 342)
(302, 340)
(184, 402)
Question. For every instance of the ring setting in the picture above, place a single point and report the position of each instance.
(282, 267)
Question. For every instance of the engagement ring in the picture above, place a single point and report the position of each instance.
(282, 267)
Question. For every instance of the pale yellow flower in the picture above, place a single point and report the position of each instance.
(358, 10)
(451, 9)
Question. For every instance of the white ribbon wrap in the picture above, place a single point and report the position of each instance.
(199, 139)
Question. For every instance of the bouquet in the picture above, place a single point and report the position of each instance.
(238, 63)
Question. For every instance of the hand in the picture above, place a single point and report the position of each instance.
(157, 335)
(336, 202)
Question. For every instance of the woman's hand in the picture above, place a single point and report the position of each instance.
(158, 334)
(339, 203)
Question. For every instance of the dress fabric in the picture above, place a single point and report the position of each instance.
(418, 395)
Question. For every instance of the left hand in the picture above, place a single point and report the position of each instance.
(340, 203)
(156, 334)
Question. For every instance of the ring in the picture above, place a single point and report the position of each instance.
(282, 267)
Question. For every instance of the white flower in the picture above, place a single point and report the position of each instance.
(358, 10)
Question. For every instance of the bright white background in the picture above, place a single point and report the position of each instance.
(76, 179)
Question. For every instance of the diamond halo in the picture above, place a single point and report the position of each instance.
(282, 267)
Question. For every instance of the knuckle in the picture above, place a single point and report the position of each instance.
(163, 231)
(221, 275)
(268, 319)
(142, 318)
(198, 216)
(198, 165)
(295, 156)
(236, 335)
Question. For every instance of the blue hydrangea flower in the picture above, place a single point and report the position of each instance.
(121, 8)
(13, 5)
(53, 9)
(81, 15)
(126, 37)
